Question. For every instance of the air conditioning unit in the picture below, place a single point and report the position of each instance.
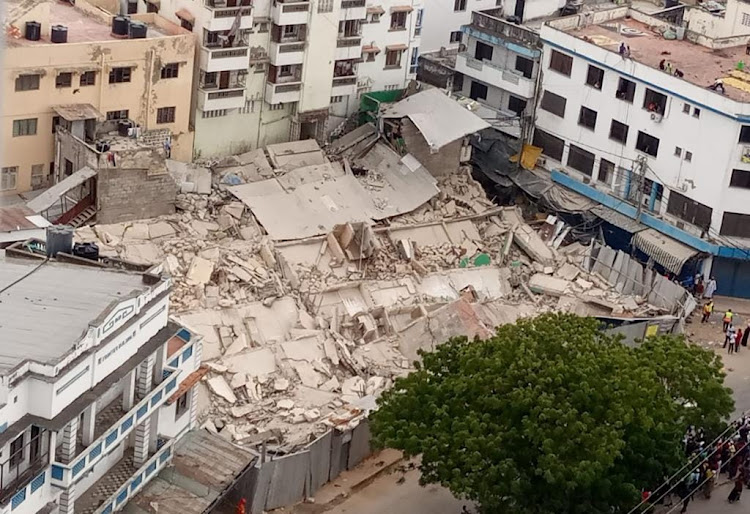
(656, 117)
(586, 180)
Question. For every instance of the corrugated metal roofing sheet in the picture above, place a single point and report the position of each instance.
(617, 219)
(663, 249)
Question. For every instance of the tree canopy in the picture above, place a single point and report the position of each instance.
(552, 415)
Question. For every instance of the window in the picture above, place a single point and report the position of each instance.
(647, 144)
(746, 19)
(165, 115)
(185, 24)
(740, 178)
(64, 80)
(27, 82)
(525, 66)
(211, 38)
(686, 108)
(398, 21)
(654, 101)
(587, 118)
(745, 134)
(370, 57)
(118, 75)
(459, 5)
(478, 91)
(118, 115)
(263, 26)
(414, 60)
(375, 18)
(418, 23)
(581, 160)
(337, 99)
(618, 132)
(8, 178)
(325, 6)
(55, 123)
(677, 151)
(551, 146)
(606, 172)
(16, 451)
(689, 156)
(595, 77)
(132, 7)
(285, 71)
(553, 103)
(170, 71)
(37, 176)
(696, 112)
(689, 210)
(735, 224)
(561, 63)
(393, 59)
(625, 90)
(88, 78)
(456, 36)
(517, 105)
(482, 52)
(181, 405)
(25, 127)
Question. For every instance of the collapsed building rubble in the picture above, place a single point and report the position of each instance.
(306, 321)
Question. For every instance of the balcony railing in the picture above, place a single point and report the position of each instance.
(344, 81)
(231, 12)
(295, 7)
(218, 4)
(286, 48)
(18, 470)
(229, 52)
(232, 93)
(353, 4)
(348, 41)
(139, 479)
(63, 474)
(508, 75)
(485, 22)
(287, 88)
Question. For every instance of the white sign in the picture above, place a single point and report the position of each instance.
(123, 312)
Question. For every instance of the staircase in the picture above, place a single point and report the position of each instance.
(83, 217)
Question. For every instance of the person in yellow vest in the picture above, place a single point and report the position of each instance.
(707, 310)
(727, 319)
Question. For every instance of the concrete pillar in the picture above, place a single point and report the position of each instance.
(128, 393)
(52, 445)
(67, 500)
(70, 434)
(142, 442)
(145, 376)
(708, 263)
(193, 407)
(160, 362)
(89, 423)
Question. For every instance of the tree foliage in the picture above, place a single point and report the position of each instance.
(551, 415)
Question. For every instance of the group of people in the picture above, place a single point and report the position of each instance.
(701, 288)
(667, 67)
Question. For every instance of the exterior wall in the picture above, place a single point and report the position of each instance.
(128, 194)
(712, 138)
(440, 20)
(712, 26)
(317, 71)
(440, 164)
(141, 97)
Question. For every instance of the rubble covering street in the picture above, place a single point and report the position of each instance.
(303, 334)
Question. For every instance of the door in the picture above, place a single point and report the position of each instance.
(732, 277)
(35, 444)
(224, 80)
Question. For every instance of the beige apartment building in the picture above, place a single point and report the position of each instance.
(143, 78)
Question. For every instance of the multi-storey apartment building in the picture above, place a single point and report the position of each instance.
(57, 54)
(96, 385)
(656, 127)
(443, 20)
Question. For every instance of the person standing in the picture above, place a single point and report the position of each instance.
(710, 288)
(739, 483)
(729, 336)
(744, 335)
(727, 319)
(738, 340)
(710, 479)
(707, 310)
(732, 339)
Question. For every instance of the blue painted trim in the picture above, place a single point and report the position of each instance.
(57, 472)
(652, 196)
(497, 41)
(668, 92)
(647, 219)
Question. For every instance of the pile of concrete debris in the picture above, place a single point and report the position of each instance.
(310, 310)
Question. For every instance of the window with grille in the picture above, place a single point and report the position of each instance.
(25, 127)
(689, 210)
(625, 90)
(88, 78)
(119, 75)
(393, 59)
(170, 71)
(64, 80)
(398, 21)
(595, 77)
(325, 6)
(37, 176)
(165, 115)
(525, 66)
(456, 36)
(735, 224)
(118, 115)
(27, 82)
(746, 19)
(606, 172)
(8, 177)
(459, 5)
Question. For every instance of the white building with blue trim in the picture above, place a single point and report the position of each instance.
(96, 385)
(631, 115)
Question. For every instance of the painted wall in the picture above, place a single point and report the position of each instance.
(142, 96)
(317, 72)
(712, 137)
(440, 19)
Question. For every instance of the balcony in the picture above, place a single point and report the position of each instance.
(348, 47)
(282, 54)
(343, 86)
(222, 18)
(24, 471)
(65, 474)
(290, 12)
(216, 99)
(490, 23)
(354, 9)
(506, 79)
(283, 93)
(224, 59)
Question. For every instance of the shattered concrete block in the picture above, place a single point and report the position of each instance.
(220, 387)
(568, 272)
(280, 384)
(405, 249)
(200, 271)
(544, 284)
(311, 415)
(241, 274)
(215, 366)
(238, 380)
(239, 344)
(235, 209)
(241, 411)
(331, 385)
(285, 404)
(160, 229)
(254, 363)
(584, 284)
(136, 231)
(145, 253)
(172, 265)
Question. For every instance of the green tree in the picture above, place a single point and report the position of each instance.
(551, 415)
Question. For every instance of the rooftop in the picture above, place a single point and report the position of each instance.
(83, 27)
(701, 65)
(46, 306)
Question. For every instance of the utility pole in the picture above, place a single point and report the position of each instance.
(641, 166)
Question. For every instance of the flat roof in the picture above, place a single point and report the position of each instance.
(45, 306)
(82, 27)
(701, 65)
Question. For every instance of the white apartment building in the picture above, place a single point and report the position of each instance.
(96, 385)
(603, 112)
(443, 20)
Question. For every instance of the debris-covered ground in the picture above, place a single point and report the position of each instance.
(301, 334)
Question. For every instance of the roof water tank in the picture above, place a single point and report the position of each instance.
(138, 30)
(671, 3)
(120, 25)
(33, 30)
(59, 239)
(86, 251)
(59, 34)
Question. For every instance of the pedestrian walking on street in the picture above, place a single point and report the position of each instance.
(739, 483)
(710, 288)
(708, 487)
(728, 336)
(738, 340)
(732, 337)
(727, 319)
(707, 310)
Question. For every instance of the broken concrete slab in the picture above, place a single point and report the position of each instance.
(200, 271)
(144, 253)
(526, 237)
(568, 272)
(220, 387)
(160, 229)
(253, 362)
(544, 284)
(136, 231)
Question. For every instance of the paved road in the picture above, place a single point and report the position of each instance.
(386, 496)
